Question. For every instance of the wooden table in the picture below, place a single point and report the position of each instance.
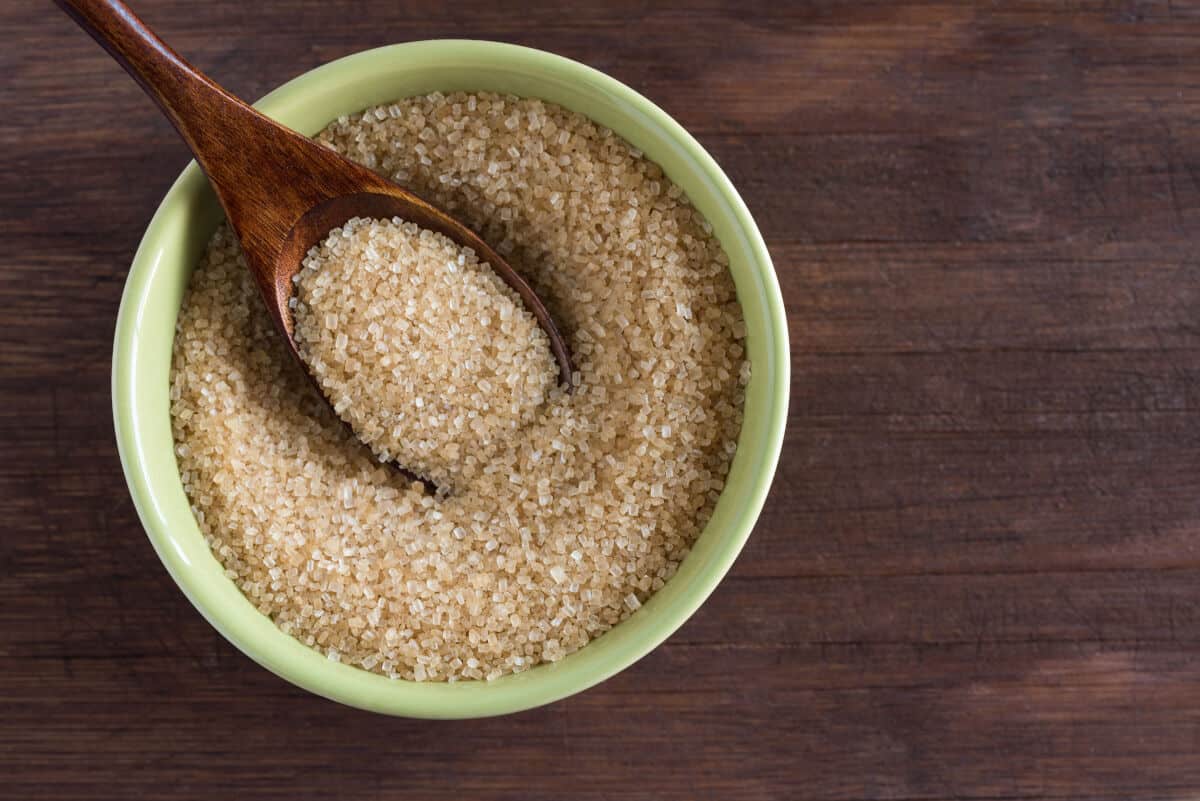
(978, 575)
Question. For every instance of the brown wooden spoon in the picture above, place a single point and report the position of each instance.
(281, 191)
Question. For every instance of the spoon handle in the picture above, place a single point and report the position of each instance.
(264, 174)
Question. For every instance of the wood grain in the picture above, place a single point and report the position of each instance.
(978, 575)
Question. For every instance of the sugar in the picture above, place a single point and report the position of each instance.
(588, 519)
(418, 329)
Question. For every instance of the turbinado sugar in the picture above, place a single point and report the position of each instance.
(576, 518)
(427, 353)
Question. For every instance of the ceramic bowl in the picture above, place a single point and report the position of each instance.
(186, 219)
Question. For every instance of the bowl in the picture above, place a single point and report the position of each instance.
(188, 216)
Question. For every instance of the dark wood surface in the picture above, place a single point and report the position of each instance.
(978, 575)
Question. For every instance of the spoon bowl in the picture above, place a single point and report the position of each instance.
(281, 191)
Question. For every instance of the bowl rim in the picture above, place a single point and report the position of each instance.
(287, 657)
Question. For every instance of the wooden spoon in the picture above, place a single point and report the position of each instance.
(282, 192)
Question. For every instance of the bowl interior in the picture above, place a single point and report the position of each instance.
(177, 236)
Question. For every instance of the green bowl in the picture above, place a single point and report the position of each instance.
(186, 219)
